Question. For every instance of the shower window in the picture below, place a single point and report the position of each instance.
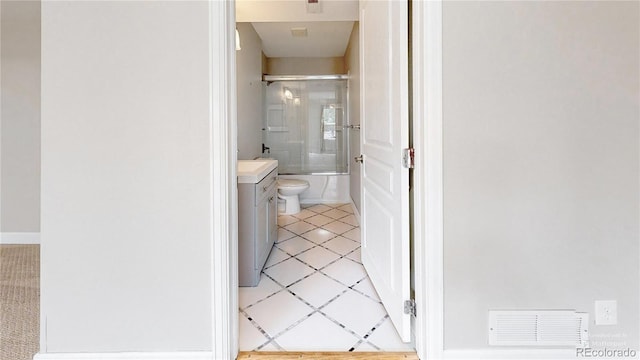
(305, 125)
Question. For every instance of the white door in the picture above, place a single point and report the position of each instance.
(385, 133)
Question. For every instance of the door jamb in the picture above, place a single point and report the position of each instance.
(428, 176)
(427, 108)
(223, 197)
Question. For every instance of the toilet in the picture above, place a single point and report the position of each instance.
(288, 190)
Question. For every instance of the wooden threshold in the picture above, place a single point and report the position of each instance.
(322, 355)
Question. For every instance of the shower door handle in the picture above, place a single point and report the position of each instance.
(359, 159)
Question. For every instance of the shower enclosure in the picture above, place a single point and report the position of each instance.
(305, 123)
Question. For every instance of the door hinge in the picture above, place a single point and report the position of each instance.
(410, 307)
(408, 158)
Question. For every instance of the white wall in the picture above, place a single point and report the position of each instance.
(125, 177)
(250, 103)
(20, 117)
(305, 66)
(352, 63)
(541, 165)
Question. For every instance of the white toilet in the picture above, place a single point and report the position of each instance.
(288, 190)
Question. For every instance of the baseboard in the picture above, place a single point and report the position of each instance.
(356, 213)
(510, 354)
(193, 355)
(19, 238)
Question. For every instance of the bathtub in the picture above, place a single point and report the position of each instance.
(323, 189)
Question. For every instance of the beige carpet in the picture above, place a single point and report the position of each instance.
(19, 301)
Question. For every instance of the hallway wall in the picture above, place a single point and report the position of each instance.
(126, 182)
(541, 163)
(19, 119)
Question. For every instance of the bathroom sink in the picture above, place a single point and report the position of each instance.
(252, 171)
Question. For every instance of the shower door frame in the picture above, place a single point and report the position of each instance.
(273, 78)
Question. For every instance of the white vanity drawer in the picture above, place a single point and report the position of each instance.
(265, 186)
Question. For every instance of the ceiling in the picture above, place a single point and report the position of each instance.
(328, 29)
(324, 39)
(295, 10)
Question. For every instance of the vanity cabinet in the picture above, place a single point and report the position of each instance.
(257, 226)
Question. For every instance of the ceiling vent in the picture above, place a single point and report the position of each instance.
(299, 32)
(314, 7)
(538, 328)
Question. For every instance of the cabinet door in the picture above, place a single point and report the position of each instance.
(273, 217)
(262, 232)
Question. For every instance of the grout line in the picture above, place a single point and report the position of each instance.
(280, 348)
(362, 293)
(266, 297)
(376, 326)
(279, 262)
(258, 327)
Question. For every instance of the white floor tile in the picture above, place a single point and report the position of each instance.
(345, 271)
(275, 309)
(351, 220)
(335, 214)
(387, 339)
(250, 295)
(275, 257)
(320, 208)
(367, 288)
(284, 234)
(318, 236)
(295, 245)
(305, 213)
(288, 271)
(300, 227)
(353, 234)
(341, 245)
(317, 289)
(250, 337)
(318, 257)
(355, 255)
(317, 332)
(358, 313)
(274, 322)
(286, 220)
(337, 227)
(319, 220)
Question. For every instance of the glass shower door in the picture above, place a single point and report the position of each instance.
(305, 126)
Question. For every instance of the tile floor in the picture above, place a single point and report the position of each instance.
(314, 293)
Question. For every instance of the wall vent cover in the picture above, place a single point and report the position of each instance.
(538, 328)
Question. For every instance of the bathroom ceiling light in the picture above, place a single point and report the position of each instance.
(299, 32)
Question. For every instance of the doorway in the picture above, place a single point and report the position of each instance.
(316, 266)
(426, 174)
